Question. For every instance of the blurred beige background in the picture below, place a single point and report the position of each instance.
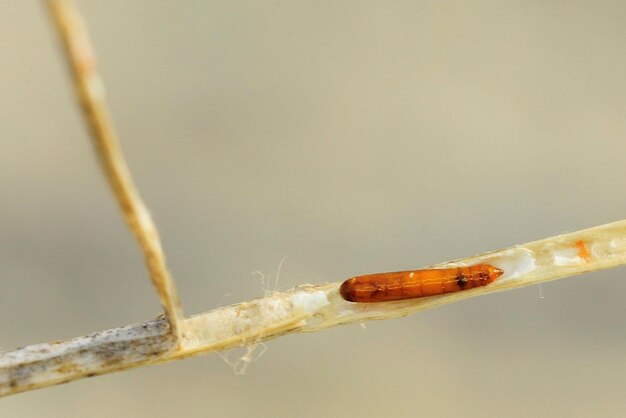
(352, 137)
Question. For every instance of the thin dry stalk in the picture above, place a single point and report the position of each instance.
(308, 308)
(90, 89)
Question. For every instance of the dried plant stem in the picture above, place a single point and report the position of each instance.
(90, 89)
(308, 308)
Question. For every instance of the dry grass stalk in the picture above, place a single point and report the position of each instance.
(308, 308)
(90, 89)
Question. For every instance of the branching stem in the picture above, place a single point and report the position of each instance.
(308, 308)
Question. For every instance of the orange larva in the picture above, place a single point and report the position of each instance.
(385, 287)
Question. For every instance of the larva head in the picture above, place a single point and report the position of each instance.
(489, 273)
(348, 290)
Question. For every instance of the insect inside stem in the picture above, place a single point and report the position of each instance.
(385, 287)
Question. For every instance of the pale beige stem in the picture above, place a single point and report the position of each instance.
(307, 308)
(90, 90)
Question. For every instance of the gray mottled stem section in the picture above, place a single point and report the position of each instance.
(101, 352)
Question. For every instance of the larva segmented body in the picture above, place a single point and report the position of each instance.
(385, 287)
